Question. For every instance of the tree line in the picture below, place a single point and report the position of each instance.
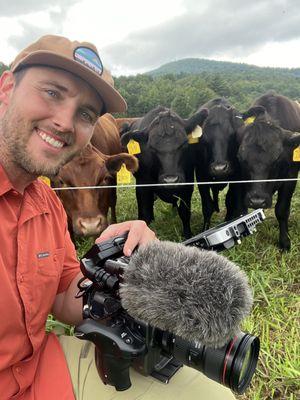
(185, 93)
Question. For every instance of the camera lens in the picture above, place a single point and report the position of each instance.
(245, 365)
(232, 365)
(242, 358)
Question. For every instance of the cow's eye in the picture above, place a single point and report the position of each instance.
(108, 180)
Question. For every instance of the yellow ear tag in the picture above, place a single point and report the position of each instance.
(45, 179)
(197, 132)
(192, 140)
(133, 147)
(123, 176)
(296, 154)
(249, 120)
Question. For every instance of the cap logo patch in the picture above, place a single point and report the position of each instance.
(89, 58)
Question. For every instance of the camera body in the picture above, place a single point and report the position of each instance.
(123, 342)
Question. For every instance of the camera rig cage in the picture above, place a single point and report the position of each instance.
(123, 342)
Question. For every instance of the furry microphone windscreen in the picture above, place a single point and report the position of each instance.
(196, 294)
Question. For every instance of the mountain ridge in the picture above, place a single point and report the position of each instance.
(191, 66)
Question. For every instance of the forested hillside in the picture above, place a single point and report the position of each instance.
(186, 92)
(199, 65)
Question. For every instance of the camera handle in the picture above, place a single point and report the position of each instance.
(116, 347)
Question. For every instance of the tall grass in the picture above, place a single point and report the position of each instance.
(275, 279)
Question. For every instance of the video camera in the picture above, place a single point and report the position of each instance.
(123, 342)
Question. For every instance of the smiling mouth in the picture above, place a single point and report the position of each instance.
(57, 144)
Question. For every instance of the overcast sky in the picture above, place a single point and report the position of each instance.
(135, 36)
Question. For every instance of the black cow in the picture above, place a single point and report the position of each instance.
(162, 136)
(266, 152)
(215, 158)
(284, 111)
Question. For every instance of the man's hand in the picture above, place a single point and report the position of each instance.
(139, 233)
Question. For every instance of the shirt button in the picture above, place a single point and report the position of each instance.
(21, 278)
(18, 370)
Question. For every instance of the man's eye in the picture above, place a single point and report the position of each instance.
(52, 93)
(88, 117)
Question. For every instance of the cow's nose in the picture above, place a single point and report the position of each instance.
(257, 202)
(220, 168)
(90, 226)
(170, 179)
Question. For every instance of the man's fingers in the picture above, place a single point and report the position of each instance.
(114, 230)
(139, 233)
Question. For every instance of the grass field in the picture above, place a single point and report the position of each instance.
(274, 277)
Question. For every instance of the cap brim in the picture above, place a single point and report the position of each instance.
(113, 101)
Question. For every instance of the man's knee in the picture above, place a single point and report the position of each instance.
(187, 384)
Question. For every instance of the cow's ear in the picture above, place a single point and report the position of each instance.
(197, 119)
(125, 127)
(138, 136)
(254, 112)
(236, 119)
(114, 163)
(290, 138)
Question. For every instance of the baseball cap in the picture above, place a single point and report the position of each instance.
(79, 58)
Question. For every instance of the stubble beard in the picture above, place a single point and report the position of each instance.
(15, 135)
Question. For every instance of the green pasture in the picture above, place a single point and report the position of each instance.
(274, 277)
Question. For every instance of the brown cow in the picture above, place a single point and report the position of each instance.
(106, 136)
(87, 209)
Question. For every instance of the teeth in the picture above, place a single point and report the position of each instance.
(50, 140)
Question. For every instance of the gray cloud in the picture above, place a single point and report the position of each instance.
(21, 7)
(217, 27)
(32, 32)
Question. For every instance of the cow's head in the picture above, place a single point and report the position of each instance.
(87, 209)
(164, 145)
(219, 138)
(265, 152)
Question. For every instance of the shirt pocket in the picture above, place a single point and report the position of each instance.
(50, 263)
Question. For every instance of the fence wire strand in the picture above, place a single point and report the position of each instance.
(174, 184)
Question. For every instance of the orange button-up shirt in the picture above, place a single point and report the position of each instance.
(37, 261)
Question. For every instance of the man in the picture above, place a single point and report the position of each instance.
(49, 101)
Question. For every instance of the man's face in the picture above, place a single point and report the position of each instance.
(48, 118)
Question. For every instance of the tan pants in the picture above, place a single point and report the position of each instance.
(186, 384)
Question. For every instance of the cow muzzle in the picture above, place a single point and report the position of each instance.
(89, 226)
(220, 169)
(170, 180)
(255, 201)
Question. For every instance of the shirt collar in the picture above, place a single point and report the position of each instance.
(35, 191)
(5, 183)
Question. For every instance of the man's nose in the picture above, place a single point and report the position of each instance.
(64, 119)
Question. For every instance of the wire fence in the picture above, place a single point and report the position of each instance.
(213, 182)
